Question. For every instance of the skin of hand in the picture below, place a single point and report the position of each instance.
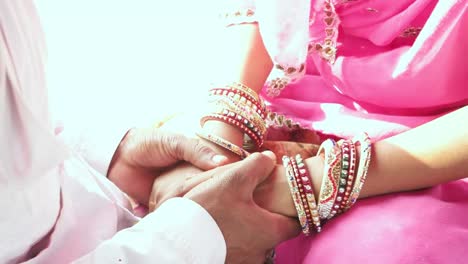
(145, 153)
(227, 194)
(273, 194)
(289, 148)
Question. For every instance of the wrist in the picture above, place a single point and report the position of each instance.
(117, 157)
(274, 194)
(315, 165)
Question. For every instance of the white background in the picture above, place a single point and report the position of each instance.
(126, 59)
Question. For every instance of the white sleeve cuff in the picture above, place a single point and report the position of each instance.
(100, 145)
(188, 224)
(95, 143)
(180, 231)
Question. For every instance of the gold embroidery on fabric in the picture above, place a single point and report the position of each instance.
(327, 49)
(237, 17)
(276, 120)
(411, 32)
(276, 85)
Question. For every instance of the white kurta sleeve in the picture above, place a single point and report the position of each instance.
(95, 141)
(180, 231)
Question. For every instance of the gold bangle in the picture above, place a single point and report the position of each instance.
(224, 144)
(363, 168)
(331, 174)
(295, 194)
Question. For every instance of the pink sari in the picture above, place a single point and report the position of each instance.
(382, 67)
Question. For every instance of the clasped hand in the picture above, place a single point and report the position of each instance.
(165, 165)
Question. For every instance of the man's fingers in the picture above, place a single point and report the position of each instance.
(195, 152)
(252, 171)
(282, 227)
(160, 148)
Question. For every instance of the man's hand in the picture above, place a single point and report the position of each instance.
(227, 194)
(145, 153)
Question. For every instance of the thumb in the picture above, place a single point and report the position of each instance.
(253, 170)
(159, 148)
(195, 152)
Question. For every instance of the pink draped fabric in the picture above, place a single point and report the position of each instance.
(399, 64)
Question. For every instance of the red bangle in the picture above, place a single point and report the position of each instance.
(260, 106)
(302, 192)
(229, 120)
(245, 121)
(310, 195)
(343, 179)
(351, 175)
(243, 111)
(245, 125)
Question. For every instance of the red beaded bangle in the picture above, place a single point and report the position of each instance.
(229, 120)
(310, 195)
(342, 181)
(244, 120)
(361, 175)
(302, 193)
(295, 194)
(351, 175)
(259, 107)
(244, 112)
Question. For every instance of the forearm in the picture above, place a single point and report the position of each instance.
(428, 155)
(434, 153)
(243, 59)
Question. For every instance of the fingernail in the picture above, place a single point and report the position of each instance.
(219, 159)
(270, 154)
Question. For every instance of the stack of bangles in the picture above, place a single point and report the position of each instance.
(241, 107)
(341, 185)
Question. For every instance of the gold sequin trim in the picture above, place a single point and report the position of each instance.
(276, 85)
(238, 17)
(327, 49)
(411, 32)
(280, 121)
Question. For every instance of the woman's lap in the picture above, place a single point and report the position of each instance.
(428, 226)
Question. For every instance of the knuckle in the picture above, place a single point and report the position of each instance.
(258, 158)
(236, 177)
(172, 143)
(199, 147)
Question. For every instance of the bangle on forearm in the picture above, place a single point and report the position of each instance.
(239, 96)
(331, 173)
(340, 186)
(224, 144)
(295, 194)
(306, 181)
(238, 105)
(243, 112)
(237, 123)
(343, 179)
(351, 175)
(364, 161)
(300, 185)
